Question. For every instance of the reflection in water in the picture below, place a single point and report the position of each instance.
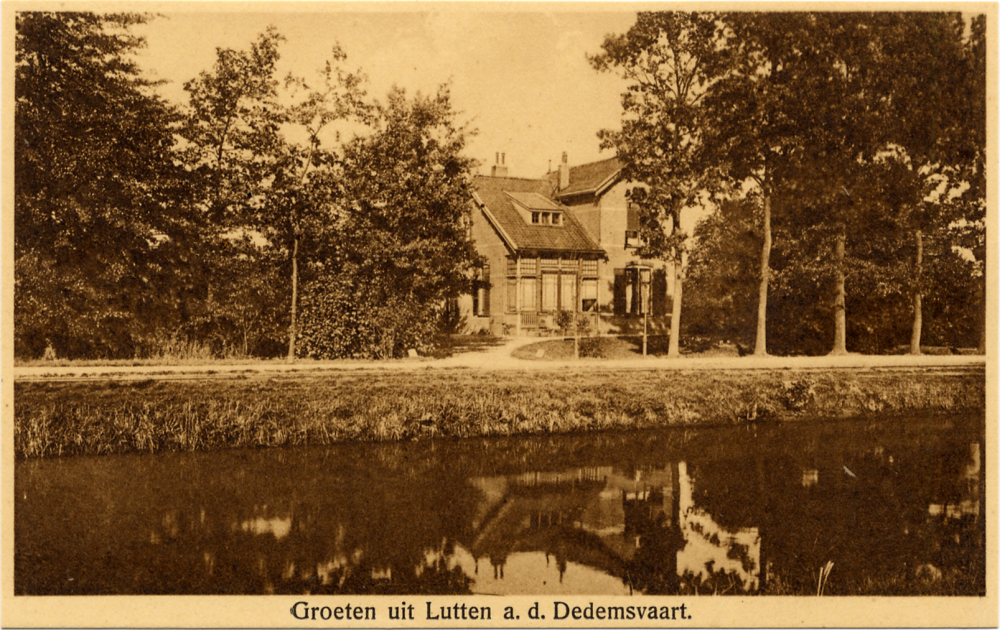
(895, 505)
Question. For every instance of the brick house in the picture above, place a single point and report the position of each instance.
(562, 242)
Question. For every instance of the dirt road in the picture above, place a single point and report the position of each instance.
(496, 358)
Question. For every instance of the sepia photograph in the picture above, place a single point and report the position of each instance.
(499, 315)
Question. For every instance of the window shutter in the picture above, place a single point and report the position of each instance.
(619, 298)
(636, 288)
(659, 293)
(487, 289)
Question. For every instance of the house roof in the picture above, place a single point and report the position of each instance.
(497, 195)
(591, 178)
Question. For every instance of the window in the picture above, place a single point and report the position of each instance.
(550, 291)
(588, 294)
(511, 297)
(529, 288)
(556, 218)
(481, 292)
(588, 285)
(510, 293)
(529, 266)
(534, 217)
(546, 218)
(632, 238)
(567, 292)
(644, 291)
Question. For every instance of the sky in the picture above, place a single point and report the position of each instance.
(521, 79)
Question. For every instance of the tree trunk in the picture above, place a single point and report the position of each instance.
(918, 313)
(295, 299)
(839, 304)
(675, 314)
(760, 345)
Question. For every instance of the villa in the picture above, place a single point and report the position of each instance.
(563, 242)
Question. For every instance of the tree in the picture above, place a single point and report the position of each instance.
(882, 115)
(245, 316)
(97, 194)
(670, 60)
(301, 198)
(255, 177)
(874, 143)
(402, 247)
(752, 116)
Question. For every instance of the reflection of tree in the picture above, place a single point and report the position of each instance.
(295, 521)
(854, 494)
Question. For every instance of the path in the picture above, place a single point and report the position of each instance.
(498, 357)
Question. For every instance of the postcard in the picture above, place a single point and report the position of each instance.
(525, 315)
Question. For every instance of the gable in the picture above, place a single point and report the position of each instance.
(591, 179)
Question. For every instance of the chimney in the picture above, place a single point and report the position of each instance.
(500, 169)
(564, 172)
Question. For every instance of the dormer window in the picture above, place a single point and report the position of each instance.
(536, 209)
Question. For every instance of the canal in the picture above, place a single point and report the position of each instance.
(893, 506)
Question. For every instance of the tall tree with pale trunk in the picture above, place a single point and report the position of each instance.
(670, 61)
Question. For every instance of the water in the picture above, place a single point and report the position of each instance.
(897, 507)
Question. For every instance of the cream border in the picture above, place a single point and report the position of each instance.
(273, 611)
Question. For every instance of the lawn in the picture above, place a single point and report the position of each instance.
(630, 347)
(624, 347)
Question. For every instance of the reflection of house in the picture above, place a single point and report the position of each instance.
(563, 242)
(621, 525)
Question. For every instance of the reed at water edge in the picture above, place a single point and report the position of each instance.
(114, 416)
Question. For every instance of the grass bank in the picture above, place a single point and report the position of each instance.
(104, 417)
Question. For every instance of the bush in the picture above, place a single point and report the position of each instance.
(343, 317)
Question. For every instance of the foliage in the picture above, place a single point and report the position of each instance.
(849, 126)
(233, 129)
(402, 248)
(670, 60)
(723, 272)
(97, 192)
(244, 315)
(255, 178)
